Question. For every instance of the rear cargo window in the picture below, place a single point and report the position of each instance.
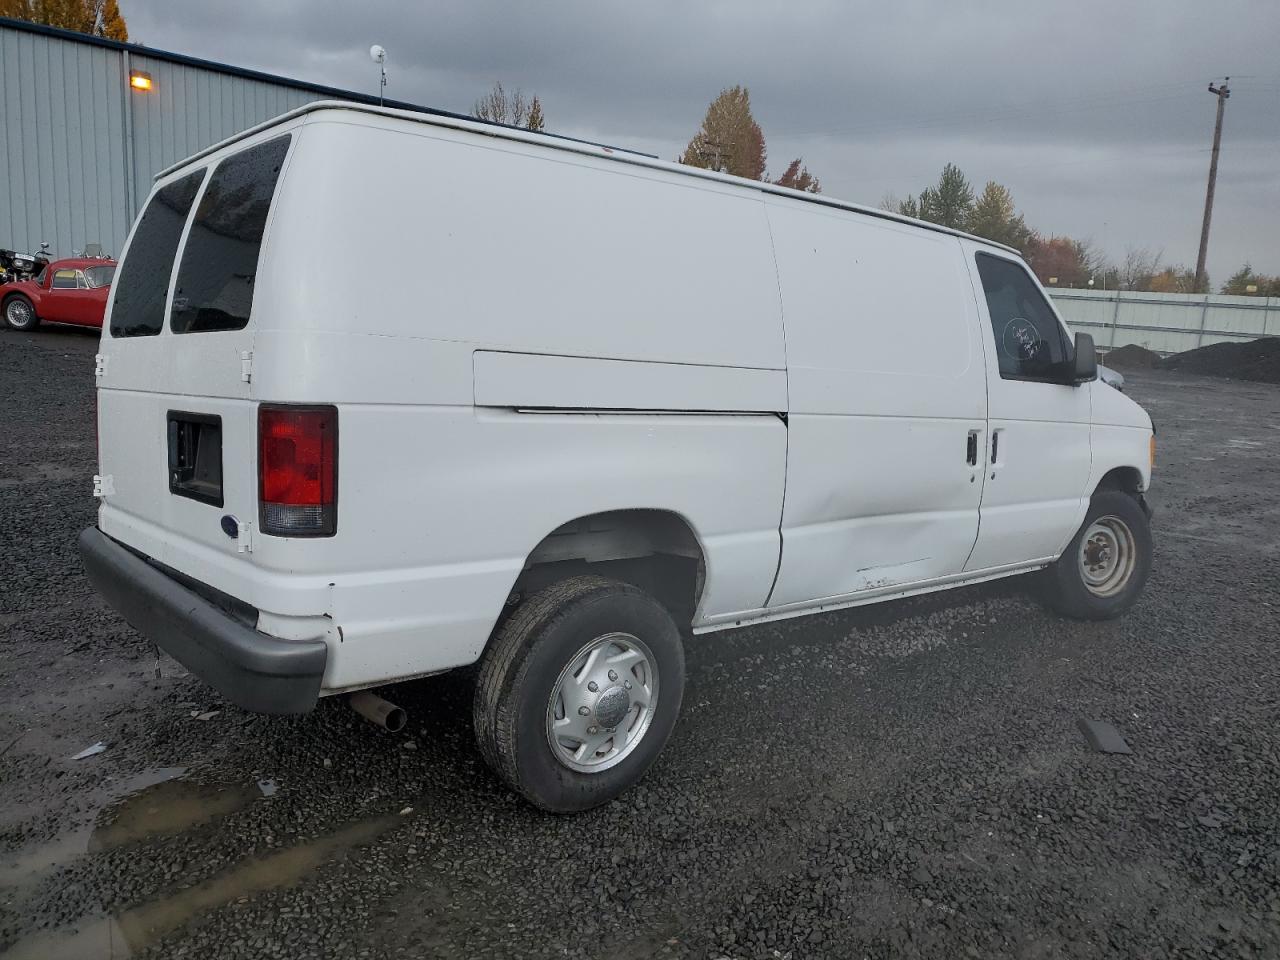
(214, 289)
(143, 284)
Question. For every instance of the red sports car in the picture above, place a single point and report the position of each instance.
(66, 291)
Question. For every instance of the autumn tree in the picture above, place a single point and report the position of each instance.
(510, 107)
(101, 18)
(1072, 263)
(798, 177)
(729, 140)
(1244, 278)
(1177, 279)
(1137, 268)
(994, 217)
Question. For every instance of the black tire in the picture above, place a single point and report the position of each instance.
(1065, 586)
(16, 300)
(523, 666)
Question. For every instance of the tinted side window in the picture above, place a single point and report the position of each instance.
(144, 276)
(64, 279)
(214, 289)
(1030, 344)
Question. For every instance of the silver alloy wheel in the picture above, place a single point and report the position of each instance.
(19, 313)
(1108, 556)
(602, 703)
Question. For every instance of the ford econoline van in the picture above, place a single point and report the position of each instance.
(385, 394)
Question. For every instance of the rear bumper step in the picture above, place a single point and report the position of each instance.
(252, 670)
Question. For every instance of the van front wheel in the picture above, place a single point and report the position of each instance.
(1103, 570)
(579, 692)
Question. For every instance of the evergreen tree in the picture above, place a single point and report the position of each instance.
(798, 177)
(994, 217)
(952, 199)
(730, 140)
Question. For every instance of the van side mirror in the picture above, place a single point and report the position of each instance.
(1086, 364)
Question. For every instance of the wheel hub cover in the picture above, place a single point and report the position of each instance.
(612, 707)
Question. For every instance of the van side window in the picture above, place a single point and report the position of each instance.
(1030, 343)
(214, 290)
(140, 292)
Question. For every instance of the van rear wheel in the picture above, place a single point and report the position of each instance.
(1103, 570)
(579, 692)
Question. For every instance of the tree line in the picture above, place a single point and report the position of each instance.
(730, 140)
(1058, 260)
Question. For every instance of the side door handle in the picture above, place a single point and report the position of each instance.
(971, 450)
(995, 452)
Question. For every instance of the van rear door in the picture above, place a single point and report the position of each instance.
(177, 428)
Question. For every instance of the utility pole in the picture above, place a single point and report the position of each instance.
(1222, 93)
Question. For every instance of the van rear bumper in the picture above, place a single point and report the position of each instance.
(254, 671)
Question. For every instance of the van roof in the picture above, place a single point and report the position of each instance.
(571, 145)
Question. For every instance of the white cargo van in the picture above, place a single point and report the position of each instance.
(383, 394)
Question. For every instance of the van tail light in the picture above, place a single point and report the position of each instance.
(298, 470)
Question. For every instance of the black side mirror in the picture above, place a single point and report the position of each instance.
(1086, 363)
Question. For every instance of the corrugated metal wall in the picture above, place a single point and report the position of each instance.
(79, 147)
(1166, 322)
(190, 108)
(62, 164)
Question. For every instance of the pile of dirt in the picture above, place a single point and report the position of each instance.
(1249, 360)
(1131, 357)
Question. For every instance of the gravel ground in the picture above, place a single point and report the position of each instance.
(906, 779)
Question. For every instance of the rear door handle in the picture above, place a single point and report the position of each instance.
(971, 450)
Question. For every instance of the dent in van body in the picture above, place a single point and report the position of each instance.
(886, 384)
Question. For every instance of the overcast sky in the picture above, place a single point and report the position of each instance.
(1094, 113)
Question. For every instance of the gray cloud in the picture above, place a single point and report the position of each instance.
(1094, 113)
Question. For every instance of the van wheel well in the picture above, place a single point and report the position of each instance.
(1125, 479)
(655, 550)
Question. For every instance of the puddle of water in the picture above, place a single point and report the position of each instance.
(168, 807)
(29, 865)
(133, 930)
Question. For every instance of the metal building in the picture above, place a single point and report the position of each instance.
(85, 123)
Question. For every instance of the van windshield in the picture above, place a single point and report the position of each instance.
(140, 291)
(214, 289)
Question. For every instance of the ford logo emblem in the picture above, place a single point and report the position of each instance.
(231, 526)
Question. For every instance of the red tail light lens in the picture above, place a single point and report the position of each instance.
(298, 470)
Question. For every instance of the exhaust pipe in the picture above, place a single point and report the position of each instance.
(376, 710)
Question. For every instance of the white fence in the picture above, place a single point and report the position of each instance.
(1166, 322)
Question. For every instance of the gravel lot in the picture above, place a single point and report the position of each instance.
(906, 779)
